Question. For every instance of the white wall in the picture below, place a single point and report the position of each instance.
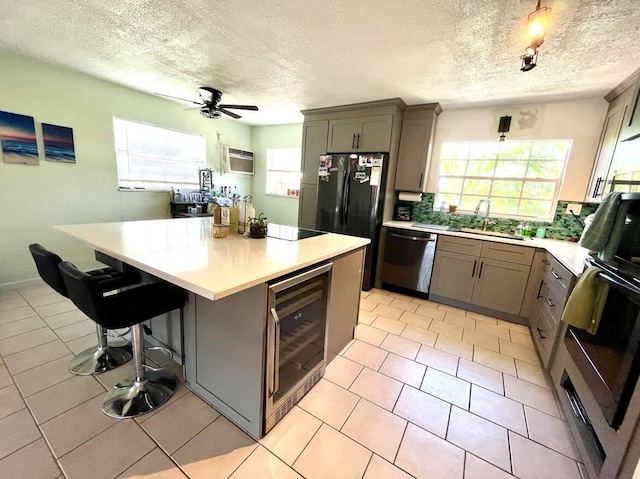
(282, 210)
(35, 198)
(578, 120)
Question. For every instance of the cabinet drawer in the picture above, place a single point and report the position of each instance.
(560, 279)
(553, 303)
(544, 335)
(507, 252)
(454, 244)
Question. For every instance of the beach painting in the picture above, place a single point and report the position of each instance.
(18, 138)
(58, 143)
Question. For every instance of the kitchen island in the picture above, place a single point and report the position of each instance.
(223, 339)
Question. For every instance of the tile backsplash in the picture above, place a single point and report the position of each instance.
(563, 226)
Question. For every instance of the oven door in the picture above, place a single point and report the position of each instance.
(609, 361)
(296, 329)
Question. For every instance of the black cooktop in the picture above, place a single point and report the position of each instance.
(291, 233)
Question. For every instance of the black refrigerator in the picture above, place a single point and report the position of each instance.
(350, 200)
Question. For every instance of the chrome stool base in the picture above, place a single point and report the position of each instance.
(95, 361)
(131, 398)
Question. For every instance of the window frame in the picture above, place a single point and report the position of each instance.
(295, 170)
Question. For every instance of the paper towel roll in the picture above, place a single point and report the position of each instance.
(408, 196)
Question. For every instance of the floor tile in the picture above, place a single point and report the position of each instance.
(31, 462)
(42, 377)
(31, 292)
(455, 347)
(65, 319)
(481, 375)
(216, 452)
(404, 305)
(291, 435)
(530, 394)
(404, 370)
(423, 410)
(551, 432)
(533, 461)
(377, 388)
(418, 445)
(461, 321)
(518, 351)
(452, 309)
(375, 428)
(493, 330)
(329, 403)
(76, 330)
(127, 444)
(380, 298)
(61, 397)
(440, 360)
(44, 299)
(430, 312)
(177, 423)
(497, 361)
(261, 463)
(5, 377)
(533, 374)
(20, 326)
(378, 468)
(10, 401)
(55, 308)
(514, 326)
(524, 339)
(31, 358)
(10, 294)
(416, 320)
(476, 468)
(13, 303)
(480, 339)
(80, 344)
(332, 454)
(404, 297)
(368, 334)
(388, 311)
(446, 329)
(383, 292)
(419, 334)
(367, 305)
(366, 355)
(17, 314)
(499, 409)
(400, 346)
(364, 294)
(482, 317)
(389, 325)
(18, 430)
(480, 437)
(365, 317)
(446, 387)
(110, 378)
(26, 341)
(155, 465)
(342, 371)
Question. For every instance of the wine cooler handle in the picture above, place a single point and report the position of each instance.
(276, 353)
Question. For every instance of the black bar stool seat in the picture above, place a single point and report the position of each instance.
(104, 356)
(148, 389)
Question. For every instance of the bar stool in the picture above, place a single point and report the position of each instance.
(104, 357)
(148, 389)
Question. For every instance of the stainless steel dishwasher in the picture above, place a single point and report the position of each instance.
(408, 259)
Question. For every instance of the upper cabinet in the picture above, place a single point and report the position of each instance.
(631, 121)
(416, 144)
(368, 133)
(314, 143)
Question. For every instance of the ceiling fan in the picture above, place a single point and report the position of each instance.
(210, 106)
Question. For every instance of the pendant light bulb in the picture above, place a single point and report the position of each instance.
(536, 28)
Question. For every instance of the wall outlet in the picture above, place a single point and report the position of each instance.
(575, 207)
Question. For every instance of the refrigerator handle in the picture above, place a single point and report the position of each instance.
(345, 198)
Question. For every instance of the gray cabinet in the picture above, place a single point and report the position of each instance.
(416, 141)
(307, 206)
(500, 285)
(314, 144)
(631, 120)
(453, 275)
(369, 133)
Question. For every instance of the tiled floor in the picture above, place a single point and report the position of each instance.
(425, 390)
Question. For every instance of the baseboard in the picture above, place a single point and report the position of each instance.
(26, 283)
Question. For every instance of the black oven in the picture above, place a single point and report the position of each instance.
(609, 361)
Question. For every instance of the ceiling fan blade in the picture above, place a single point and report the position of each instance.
(230, 113)
(181, 99)
(240, 107)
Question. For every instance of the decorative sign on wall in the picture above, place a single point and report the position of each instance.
(58, 143)
(18, 138)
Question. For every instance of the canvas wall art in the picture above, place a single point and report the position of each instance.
(18, 138)
(58, 143)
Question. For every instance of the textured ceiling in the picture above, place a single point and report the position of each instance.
(288, 55)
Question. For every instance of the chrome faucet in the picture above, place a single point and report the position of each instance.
(485, 222)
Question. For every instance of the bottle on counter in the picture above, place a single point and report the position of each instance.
(526, 230)
(443, 207)
(520, 228)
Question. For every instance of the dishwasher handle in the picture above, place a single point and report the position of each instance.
(412, 238)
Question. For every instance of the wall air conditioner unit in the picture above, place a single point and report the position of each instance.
(238, 162)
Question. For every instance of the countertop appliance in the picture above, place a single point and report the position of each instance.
(350, 200)
(291, 233)
(408, 259)
(296, 325)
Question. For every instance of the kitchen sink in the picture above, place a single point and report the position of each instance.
(491, 233)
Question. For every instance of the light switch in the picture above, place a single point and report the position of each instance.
(575, 207)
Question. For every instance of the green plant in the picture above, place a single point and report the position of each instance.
(258, 226)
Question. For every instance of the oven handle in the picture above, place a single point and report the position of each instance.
(412, 238)
(274, 373)
(619, 285)
(301, 278)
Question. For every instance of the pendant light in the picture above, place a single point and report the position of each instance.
(536, 29)
(503, 127)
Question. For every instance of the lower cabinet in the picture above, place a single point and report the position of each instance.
(489, 275)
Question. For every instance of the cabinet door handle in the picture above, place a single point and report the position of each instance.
(598, 185)
(480, 272)
(556, 276)
(475, 262)
(353, 142)
(550, 303)
(420, 182)
(540, 289)
(595, 189)
(358, 141)
(540, 334)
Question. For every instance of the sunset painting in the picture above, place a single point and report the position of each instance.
(58, 143)
(18, 138)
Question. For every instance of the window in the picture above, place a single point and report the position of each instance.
(151, 157)
(522, 178)
(283, 171)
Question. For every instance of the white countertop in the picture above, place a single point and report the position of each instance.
(570, 254)
(183, 252)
